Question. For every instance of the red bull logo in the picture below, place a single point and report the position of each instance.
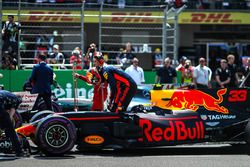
(176, 131)
(188, 99)
(194, 99)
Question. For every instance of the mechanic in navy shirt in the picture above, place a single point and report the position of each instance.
(166, 74)
(8, 105)
(123, 87)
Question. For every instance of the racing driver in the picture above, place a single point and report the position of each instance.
(122, 86)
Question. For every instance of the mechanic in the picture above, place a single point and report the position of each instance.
(123, 87)
(100, 88)
(8, 105)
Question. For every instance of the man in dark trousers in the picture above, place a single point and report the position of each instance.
(123, 87)
(10, 35)
(8, 105)
(42, 79)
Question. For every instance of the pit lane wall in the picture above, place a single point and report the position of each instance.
(13, 81)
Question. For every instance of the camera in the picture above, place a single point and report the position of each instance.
(92, 50)
(187, 65)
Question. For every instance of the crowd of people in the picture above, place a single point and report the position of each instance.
(227, 75)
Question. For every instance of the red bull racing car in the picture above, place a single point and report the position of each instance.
(175, 117)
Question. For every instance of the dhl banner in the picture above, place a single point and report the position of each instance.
(214, 18)
(129, 17)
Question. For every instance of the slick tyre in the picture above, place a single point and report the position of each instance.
(17, 120)
(41, 115)
(55, 106)
(55, 135)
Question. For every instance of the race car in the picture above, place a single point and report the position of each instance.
(175, 117)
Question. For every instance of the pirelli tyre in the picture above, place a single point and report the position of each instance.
(17, 120)
(55, 135)
(55, 106)
(41, 115)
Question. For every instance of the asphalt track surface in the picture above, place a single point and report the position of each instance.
(177, 156)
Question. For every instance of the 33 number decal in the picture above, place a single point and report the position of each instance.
(237, 95)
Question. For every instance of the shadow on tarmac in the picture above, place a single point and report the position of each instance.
(172, 151)
(159, 151)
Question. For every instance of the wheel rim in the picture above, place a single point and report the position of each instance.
(56, 136)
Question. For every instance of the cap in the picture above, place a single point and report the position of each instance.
(56, 47)
(75, 52)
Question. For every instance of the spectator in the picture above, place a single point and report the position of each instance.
(89, 56)
(233, 69)
(8, 62)
(166, 74)
(222, 75)
(127, 56)
(246, 72)
(56, 57)
(42, 79)
(157, 57)
(10, 33)
(76, 59)
(136, 72)
(187, 74)
(181, 66)
(202, 75)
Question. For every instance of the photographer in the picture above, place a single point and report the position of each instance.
(10, 36)
(89, 56)
(187, 73)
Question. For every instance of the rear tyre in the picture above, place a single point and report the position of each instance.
(41, 115)
(55, 135)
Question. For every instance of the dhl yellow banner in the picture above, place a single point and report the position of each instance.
(125, 17)
(214, 18)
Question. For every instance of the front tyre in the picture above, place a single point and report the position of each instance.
(55, 135)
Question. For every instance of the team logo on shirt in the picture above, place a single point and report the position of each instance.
(105, 75)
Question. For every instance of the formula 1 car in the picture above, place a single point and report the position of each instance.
(175, 117)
